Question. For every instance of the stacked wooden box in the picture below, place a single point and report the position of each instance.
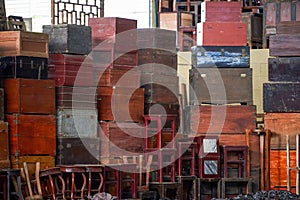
(281, 97)
(72, 69)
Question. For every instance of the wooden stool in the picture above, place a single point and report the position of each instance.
(73, 172)
(94, 169)
(241, 160)
(51, 176)
(8, 174)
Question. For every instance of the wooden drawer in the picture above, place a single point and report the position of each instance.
(221, 86)
(285, 45)
(222, 34)
(121, 139)
(71, 70)
(221, 119)
(284, 69)
(23, 67)
(120, 104)
(19, 43)
(32, 134)
(4, 141)
(69, 38)
(281, 97)
(22, 96)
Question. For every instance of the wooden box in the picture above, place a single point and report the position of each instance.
(22, 96)
(221, 86)
(281, 97)
(222, 34)
(221, 119)
(76, 97)
(113, 31)
(76, 150)
(74, 123)
(1, 104)
(69, 38)
(165, 58)
(156, 38)
(225, 56)
(174, 20)
(120, 104)
(71, 70)
(282, 124)
(20, 43)
(225, 11)
(285, 45)
(32, 134)
(254, 23)
(284, 69)
(121, 139)
(4, 141)
(23, 67)
(5, 164)
(288, 27)
(45, 162)
(161, 109)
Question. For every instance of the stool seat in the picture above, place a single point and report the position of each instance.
(9, 173)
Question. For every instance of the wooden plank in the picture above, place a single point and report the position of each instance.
(221, 34)
(288, 27)
(284, 69)
(281, 97)
(20, 43)
(4, 141)
(22, 95)
(285, 11)
(285, 45)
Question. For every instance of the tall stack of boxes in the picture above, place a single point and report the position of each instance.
(31, 128)
(221, 80)
(281, 99)
(73, 72)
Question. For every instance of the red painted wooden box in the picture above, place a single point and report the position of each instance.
(4, 141)
(22, 96)
(221, 34)
(32, 134)
(120, 104)
(70, 70)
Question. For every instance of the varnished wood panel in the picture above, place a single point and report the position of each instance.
(285, 45)
(288, 27)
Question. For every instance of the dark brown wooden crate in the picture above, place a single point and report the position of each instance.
(284, 69)
(32, 134)
(76, 97)
(254, 23)
(20, 43)
(161, 93)
(4, 141)
(76, 150)
(285, 45)
(120, 104)
(282, 124)
(71, 70)
(69, 38)
(281, 97)
(288, 27)
(221, 85)
(22, 95)
(222, 119)
(1, 104)
(154, 108)
(121, 139)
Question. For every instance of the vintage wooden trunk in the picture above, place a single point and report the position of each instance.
(222, 34)
(282, 124)
(74, 123)
(285, 45)
(4, 141)
(76, 97)
(284, 69)
(225, 56)
(213, 11)
(76, 150)
(121, 139)
(221, 86)
(2, 104)
(221, 119)
(254, 23)
(156, 38)
(120, 104)
(165, 58)
(32, 134)
(174, 20)
(20, 43)
(23, 67)
(281, 97)
(160, 88)
(69, 38)
(288, 27)
(45, 162)
(118, 76)
(113, 32)
(71, 70)
(22, 96)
